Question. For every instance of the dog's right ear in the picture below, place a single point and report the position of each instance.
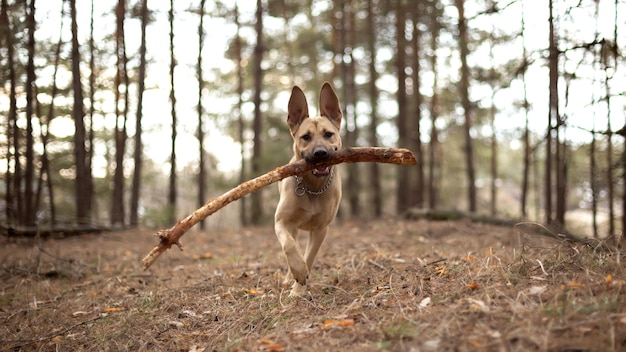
(329, 105)
(298, 109)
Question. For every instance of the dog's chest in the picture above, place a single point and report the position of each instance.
(312, 205)
(315, 212)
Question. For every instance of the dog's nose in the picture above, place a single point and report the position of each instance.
(320, 153)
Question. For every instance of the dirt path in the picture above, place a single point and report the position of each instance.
(384, 285)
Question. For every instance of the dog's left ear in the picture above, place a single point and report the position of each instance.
(298, 110)
(329, 105)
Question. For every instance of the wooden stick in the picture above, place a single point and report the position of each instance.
(171, 236)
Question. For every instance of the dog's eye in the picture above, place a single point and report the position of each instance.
(306, 137)
(328, 135)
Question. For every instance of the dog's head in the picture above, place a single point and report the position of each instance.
(315, 138)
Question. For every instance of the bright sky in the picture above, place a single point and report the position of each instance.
(157, 118)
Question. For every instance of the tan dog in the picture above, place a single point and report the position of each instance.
(309, 201)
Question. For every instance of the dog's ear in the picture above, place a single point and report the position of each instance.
(329, 105)
(298, 109)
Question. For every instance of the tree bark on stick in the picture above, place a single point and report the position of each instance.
(171, 236)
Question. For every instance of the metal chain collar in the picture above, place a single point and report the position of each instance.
(301, 189)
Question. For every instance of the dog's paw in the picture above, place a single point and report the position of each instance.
(299, 271)
(297, 290)
(301, 277)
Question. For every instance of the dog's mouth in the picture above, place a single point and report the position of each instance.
(321, 171)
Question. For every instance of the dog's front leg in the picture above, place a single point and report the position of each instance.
(316, 238)
(297, 266)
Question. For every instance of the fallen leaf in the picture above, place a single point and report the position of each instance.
(114, 309)
(425, 302)
(574, 284)
(476, 344)
(271, 345)
(442, 271)
(329, 323)
(57, 339)
(608, 279)
(346, 322)
(252, 291)
(472, 286)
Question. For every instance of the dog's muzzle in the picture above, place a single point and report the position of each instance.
(319, 154)
(321, 171)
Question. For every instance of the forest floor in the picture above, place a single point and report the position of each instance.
(388, 285)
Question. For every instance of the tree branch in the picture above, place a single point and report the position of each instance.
(171, 236)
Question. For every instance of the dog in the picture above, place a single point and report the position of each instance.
(309, 201)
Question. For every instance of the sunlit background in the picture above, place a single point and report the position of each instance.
(496, 44)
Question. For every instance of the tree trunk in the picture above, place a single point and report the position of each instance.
(416, 134)
(348, 98)
(624, 186)
(494, 139)
(201, 169)
(467, 107)
(5, 39)
(611, 195)
(610, 172)
(526, 136)
(138, 156)
(29, 172)
(553, 115)
(117, 210)
(257, 198)
(609, 147)
(494, 158)
(92, 103)
(434, 114)
(80, 153)
(173, 191)
(593, 183)
(374, 172)
(561, 172)
(12, 196)
(403, 196)
(354, 181)
(243, 216)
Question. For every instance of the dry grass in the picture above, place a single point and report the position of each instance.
(392, 286)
